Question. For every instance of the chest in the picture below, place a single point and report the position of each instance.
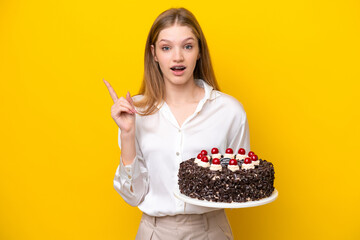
(182, 112)
(162, 142)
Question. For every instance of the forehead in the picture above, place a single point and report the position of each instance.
(175, 34)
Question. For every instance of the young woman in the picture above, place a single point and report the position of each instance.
(179, 112)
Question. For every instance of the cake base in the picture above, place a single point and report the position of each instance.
(205, 203)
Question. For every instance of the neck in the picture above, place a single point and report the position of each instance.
(182, 94)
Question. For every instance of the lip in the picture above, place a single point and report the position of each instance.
(178, 73)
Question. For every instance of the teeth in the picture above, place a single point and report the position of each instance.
(178, 68)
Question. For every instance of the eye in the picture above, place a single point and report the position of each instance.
(165, 48)
(188, 46)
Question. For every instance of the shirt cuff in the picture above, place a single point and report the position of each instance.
(127, 171)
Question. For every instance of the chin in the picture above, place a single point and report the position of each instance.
(178, 80)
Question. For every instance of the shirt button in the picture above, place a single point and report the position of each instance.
(177, 153)
(129, 177)
(179, 130)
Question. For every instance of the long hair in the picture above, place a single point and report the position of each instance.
(153, 86)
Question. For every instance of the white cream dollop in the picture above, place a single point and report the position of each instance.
(233, 167)
(217, 155)
(228, 155)
(256, 163)
(248, 166)
(197, 160)
(240, 156)
(204, 164)
(216, 167)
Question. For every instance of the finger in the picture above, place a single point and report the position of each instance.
(127, 110)
(128, 97)
(111, 91)
(124, 102)
(116, 110)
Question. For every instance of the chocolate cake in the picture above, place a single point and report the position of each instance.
(226, 178)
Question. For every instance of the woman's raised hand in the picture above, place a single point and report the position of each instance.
(123, 111)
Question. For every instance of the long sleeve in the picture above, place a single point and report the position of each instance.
(132, 181)
(240, 138)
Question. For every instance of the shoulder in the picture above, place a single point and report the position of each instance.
(137, 97)
(140, 103)
(227, 102)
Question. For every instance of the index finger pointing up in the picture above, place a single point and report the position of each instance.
(111, 91)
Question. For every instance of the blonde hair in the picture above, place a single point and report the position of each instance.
(153, 86)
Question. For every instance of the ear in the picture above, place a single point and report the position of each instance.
(198, 57)
(153, 52)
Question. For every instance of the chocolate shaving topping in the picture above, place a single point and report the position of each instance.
(226, 186)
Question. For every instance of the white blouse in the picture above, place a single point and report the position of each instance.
(161, 145)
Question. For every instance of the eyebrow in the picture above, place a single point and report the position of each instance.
(165, 40)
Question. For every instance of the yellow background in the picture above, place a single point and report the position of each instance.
(293, 64)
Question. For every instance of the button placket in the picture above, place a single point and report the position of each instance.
(178, 152)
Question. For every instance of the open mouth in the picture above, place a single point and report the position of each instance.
(178, 68)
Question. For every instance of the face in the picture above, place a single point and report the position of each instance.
(176, 50)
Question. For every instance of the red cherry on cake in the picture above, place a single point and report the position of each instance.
(215, 161)
(254, 157)
(229, 151)
(204, 152)
(204, 159)
(247, 161)
(241, 151)
(199, 156)
(233, 162)
(214, 151)
(251, 153)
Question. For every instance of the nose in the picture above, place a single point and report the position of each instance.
(178, 55)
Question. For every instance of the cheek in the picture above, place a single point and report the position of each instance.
(162, 58)
(162, 68)
(162, 65)
(194, 58)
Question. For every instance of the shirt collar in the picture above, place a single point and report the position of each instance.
(210, 93)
